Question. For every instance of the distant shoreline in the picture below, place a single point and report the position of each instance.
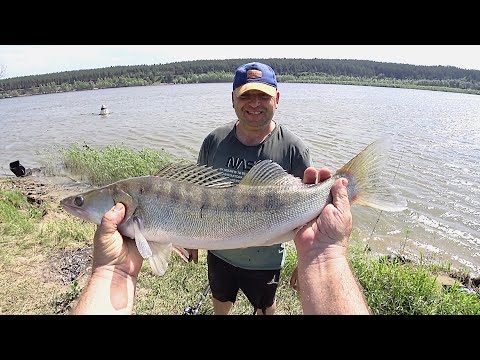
(318, 71)
(352, 83)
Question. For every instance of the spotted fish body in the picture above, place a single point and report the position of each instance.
(189, 206)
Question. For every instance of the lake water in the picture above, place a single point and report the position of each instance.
(434, 159)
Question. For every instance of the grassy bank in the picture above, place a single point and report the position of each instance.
(46, 255)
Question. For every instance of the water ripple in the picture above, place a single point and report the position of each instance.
(433, 161)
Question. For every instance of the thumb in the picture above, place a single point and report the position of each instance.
(340, 194)
(111, 219)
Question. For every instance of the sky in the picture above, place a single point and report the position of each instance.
(23, 60)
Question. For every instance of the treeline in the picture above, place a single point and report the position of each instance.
(322, 71)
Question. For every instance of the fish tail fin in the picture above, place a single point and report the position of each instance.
(365, 183)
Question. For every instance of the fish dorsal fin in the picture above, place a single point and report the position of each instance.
(267, 172)
(195, 174)
(160, 256)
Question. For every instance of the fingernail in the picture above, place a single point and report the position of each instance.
(117, 207)
(344, 182)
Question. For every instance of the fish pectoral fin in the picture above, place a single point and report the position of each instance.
(142, 243)
(181, 252)
(159, 259)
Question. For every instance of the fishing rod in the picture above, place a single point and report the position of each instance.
(367, 246)
(189, 310)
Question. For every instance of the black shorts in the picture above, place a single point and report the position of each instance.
(259, 286)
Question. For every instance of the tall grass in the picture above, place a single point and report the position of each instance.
(16, 217)
(112, 163)
(395, 287)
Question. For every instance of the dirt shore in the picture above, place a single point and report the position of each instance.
(43, 188)
(66, 266)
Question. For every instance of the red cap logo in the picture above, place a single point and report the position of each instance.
(253, 74)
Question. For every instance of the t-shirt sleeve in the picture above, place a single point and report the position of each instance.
(203, 153)
(301, 161)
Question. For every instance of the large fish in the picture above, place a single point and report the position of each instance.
(196, 207)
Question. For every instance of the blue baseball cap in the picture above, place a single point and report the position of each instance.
(255, 76)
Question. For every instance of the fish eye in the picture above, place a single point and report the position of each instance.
(78, 201)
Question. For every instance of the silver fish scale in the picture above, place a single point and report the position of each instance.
(194, 215)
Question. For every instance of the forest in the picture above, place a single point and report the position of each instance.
(320, 71)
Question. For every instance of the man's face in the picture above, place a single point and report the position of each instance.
(255, 108)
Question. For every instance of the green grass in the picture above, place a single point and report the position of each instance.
(394, 287)
(33, 235)
(112, 163)
(183, 285)
(16, 217)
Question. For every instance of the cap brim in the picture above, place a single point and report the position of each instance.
(267, 89)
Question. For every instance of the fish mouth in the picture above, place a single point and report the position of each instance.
(70, 209)
(83, 214)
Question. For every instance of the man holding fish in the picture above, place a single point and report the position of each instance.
(327, 284)
(325, 281)
(233, 149)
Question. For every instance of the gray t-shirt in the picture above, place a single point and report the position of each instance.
(223, 151)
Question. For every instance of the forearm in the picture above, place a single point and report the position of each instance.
(109, 291)
(328, 286)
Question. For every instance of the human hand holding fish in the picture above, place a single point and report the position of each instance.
(111, 249)
(195, 207)
(326, 282)
(115, 267)
(321, 248)
(311, 176)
